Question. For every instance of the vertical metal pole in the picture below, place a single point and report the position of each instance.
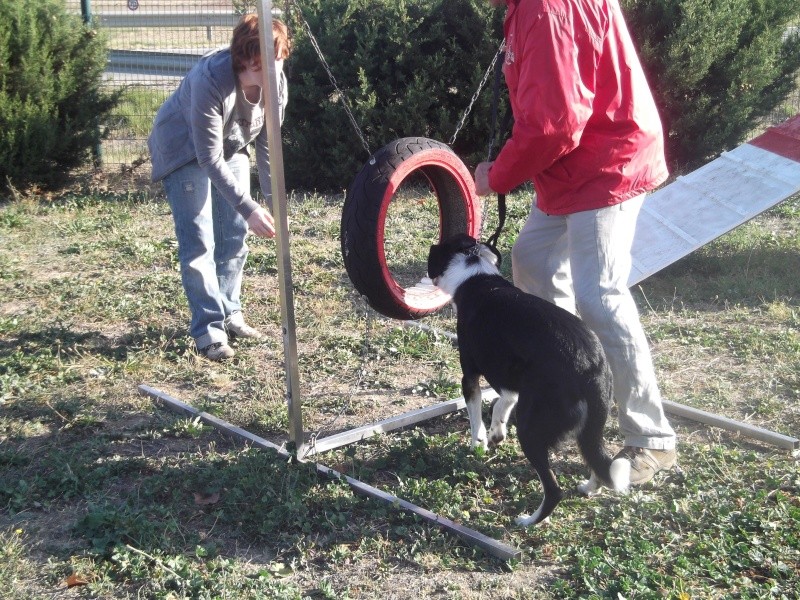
(86, 13)
(273, 125)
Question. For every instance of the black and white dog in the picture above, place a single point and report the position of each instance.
(535, 355)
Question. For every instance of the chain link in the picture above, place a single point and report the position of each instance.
(361, 374)
(477, 93)
(331, 77)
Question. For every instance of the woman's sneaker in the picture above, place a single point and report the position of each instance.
(217, 351)
(241, 329)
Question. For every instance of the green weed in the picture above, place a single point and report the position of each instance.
(141, 503)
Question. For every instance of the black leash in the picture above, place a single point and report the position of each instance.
(498, 133)
(491, 241)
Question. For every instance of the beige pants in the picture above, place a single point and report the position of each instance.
(581, 263)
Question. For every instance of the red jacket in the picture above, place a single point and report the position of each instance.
(586, 129)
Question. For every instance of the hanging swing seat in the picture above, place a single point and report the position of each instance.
(364, 221)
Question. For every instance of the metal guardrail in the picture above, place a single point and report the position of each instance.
(167, 19)
(161, 63)
(148, 62)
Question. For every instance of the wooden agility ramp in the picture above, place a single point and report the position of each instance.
(716, 198)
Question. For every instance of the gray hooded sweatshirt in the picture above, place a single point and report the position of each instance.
(208, 119)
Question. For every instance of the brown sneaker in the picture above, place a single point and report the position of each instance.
(217, 352)
(238, 328)
(646, 462)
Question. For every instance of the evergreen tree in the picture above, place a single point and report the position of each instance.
(51, 68)
(407, 68)
(717, 68)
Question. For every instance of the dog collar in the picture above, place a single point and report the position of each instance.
(473, 251)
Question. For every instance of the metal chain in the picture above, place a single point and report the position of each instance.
(342, 95)
(361, 373)
(484, 213)
(477, 93)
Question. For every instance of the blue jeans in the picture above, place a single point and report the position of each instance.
(581, 263)
(211, 247)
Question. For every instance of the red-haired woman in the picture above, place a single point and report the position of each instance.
(199, 150)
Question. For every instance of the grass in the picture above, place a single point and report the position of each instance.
(103, 491)
(133, 116)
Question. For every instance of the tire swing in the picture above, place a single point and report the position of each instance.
(364, 220)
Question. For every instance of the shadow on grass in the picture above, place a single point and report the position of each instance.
(740, 278)
(162, 489)
(58, 341)
(49, 361)
(253, 494)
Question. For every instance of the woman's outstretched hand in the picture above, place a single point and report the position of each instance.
(261, 223)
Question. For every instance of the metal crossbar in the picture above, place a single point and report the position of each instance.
(476, 538)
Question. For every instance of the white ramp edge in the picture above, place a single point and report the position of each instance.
(699, 207)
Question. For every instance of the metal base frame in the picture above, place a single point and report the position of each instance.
(745, 429)
(392, 423)
(490, 545)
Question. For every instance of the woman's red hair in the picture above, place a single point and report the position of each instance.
(246, 46)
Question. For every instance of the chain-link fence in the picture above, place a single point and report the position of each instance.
(153, 43)
(152, 46)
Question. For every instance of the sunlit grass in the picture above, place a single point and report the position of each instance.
(139, 502)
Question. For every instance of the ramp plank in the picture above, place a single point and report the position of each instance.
(699, 207)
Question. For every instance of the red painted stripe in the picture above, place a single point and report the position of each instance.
(783, 139)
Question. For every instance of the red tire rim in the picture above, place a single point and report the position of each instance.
(451, 181)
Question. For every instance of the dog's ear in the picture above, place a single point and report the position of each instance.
(437, 261)
(462, 241)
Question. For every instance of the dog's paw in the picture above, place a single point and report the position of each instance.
(480, 446)
(528, 520)
(523, 520)
(497, 434)
(588, 488)
(591, 486)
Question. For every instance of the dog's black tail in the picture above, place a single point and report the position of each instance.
(552, 496)
(612, 473)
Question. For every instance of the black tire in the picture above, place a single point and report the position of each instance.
(364, 214)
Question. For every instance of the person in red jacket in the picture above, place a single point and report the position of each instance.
(587, 134)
